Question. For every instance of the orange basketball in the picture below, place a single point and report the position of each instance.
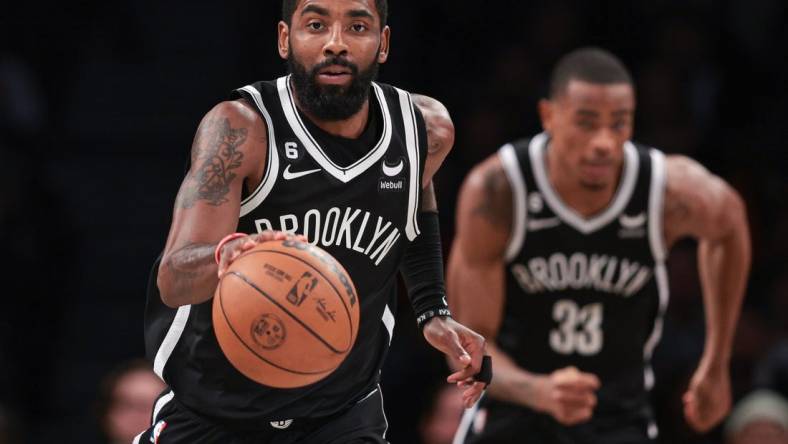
(286, 314)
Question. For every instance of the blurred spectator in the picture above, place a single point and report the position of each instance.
(440, 422)
(759, 418)
(125, 403)
(9, 428)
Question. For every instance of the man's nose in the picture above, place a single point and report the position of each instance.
(335, 46)
(604, 141)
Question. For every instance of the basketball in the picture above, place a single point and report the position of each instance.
(286, 314)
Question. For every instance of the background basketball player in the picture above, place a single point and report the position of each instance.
(345, 162)
(559, 262)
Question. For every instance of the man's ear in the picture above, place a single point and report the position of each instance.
(283, 40)
(546, 114)
(385, 41)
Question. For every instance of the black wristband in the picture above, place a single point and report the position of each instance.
(421, 320)
(422, 271)
(485, 372)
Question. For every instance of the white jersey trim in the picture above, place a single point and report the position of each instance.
(383, 410)
(511, 167)
(171, 340)
(160, 403)
(272, 159)
(661, 275)
(656, 203)
(538, 151)
(468, 417)
(656, 238)
(343, 174)
(412, 144)
(388, 321)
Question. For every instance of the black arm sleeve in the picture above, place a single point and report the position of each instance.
(422, 270)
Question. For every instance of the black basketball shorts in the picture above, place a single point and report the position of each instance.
(363, 423)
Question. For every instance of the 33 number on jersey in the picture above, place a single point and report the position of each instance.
(579, 328)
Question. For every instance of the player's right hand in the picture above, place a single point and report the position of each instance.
(236, 247)
(568, 395)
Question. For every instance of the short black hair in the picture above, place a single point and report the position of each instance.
(590, 64)
(289, 7)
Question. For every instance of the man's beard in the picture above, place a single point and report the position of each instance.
(331, 102)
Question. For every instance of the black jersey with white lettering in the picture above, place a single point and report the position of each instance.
(357, 202)
(586, 292)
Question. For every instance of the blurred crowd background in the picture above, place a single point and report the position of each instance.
(99, 102)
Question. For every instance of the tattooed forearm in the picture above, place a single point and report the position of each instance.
(189, 268)
(215, 156)
(496, 204)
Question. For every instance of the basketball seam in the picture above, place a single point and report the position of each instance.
(292, 316)
(240, 339)
(344, 305)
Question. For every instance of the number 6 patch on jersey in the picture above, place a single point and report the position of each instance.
(579, 328)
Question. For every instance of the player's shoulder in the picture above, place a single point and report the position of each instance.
(488, 176)
(235, 110)
(684, 172)
(423, 102)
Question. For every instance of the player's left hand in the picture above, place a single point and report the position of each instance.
(708, 398)
(465, 349)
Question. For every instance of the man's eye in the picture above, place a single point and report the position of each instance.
(359, 28)
(315, 26)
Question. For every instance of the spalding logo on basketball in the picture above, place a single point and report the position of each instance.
(286, 314)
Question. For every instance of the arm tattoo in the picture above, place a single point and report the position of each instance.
(496, 206)
(187, 265)
(216, 154)
(431, 116)
(433, 142)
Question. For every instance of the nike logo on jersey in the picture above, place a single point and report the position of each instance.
(541, 224)
(290, 175)
(632, 221)
(395, 170)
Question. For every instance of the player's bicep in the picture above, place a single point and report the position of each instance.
(476, 263)
(225, 151)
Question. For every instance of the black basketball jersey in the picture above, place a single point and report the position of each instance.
(587, 292)
(360, 207)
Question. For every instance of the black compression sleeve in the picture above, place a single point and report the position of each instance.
(422, 270)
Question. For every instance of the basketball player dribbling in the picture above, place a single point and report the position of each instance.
(327, 154)
(559, 261)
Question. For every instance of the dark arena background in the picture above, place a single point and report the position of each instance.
(99, 102)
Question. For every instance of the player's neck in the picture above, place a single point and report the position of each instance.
(350, 128)
(583, 200)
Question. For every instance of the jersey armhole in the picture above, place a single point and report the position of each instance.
(511, 166)
(413, 148)
(257, 197)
